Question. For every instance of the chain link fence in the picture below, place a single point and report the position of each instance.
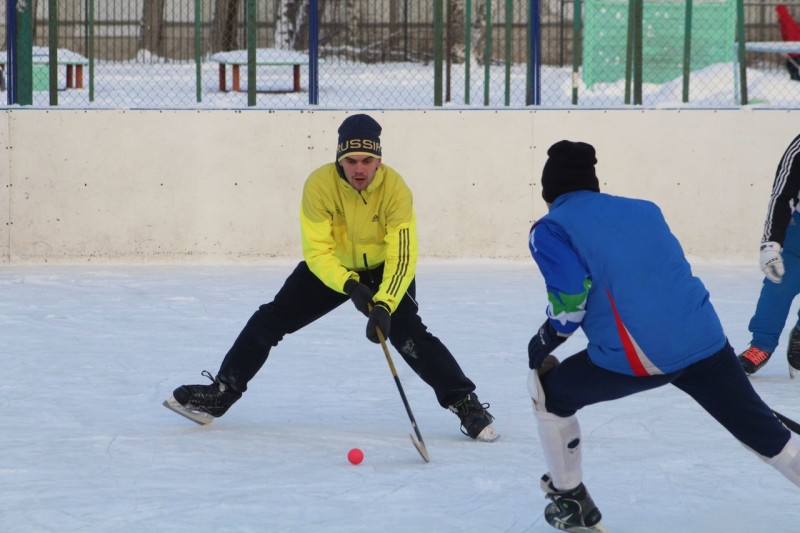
(402, 53)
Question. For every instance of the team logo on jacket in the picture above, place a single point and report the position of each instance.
(375, 218)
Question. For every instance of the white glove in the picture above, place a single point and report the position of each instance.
(771, 262)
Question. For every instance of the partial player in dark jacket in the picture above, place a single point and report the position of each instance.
(780, 262)
(359, 241)
(612, 267)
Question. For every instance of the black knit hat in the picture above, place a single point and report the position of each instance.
(359, 135)
(570, 167)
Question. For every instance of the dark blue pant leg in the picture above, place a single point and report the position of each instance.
(577, 382)
(721, 387)
(717, 383)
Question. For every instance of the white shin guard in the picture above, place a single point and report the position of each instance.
(788, 461)
(561, 442)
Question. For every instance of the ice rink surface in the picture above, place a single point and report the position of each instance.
(90, 352)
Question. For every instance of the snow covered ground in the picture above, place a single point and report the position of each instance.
(170, 85)
(90, 352)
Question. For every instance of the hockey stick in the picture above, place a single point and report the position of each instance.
(788, 422)
(418, 443)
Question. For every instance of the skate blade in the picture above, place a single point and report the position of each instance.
(197, 417)
(488, 434)
(597, 528)
(420, 446)
(793, 371)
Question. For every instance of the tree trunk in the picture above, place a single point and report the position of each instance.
(35, 8)
(479, 32)
(283, 32)
(224, 36)
(152, 24)
(353, 14)
(391, 45)
(289, 24)
(457, 42)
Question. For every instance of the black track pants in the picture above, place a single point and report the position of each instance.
(304, 298)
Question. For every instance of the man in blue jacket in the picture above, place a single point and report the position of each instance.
(612, 267)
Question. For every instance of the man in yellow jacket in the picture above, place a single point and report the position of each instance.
(359, 243)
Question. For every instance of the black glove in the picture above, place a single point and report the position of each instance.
(360, 294)
(545, 341)
(379, 317)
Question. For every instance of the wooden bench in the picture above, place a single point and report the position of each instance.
(271, 57)
(74, 63)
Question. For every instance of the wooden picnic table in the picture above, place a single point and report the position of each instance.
(264, 57)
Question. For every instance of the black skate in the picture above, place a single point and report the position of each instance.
(793, 352)
(753, 358)
(571, 510)
(476, 421)
(202, 403)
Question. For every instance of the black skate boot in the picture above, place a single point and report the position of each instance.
(793, 352)
(571, 510)
(752, 359)
(476, 421)
(202, 403)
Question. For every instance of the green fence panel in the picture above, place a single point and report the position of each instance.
(606, 30)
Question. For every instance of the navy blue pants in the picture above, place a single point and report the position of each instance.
(304, 298)
(717, 383)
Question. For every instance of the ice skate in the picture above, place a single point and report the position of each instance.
(793, 353)
(202, 403)
(571, 510)
(752, 359)
(476, 421)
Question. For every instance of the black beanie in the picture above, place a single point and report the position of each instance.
(359, 135)
(570, 167)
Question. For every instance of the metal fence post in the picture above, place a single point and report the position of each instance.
(740, 37)
(251, 53)
(198, 51)
(687, 50)
(467, 48)
(313, 53)
(24, 59)
(487, 53)
(52, 28)
(576, 39)
(533, 87)
(91, 49)
(509, 22)
(438, 23)
(11, 52)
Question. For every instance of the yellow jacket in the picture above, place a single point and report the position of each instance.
(340, 226)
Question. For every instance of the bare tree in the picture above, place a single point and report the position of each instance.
(152, 25)
(456, 32)
(290, 23)
(224, 36)
(353, 15)
(479, 32)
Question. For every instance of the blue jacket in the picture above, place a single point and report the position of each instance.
(613, 267)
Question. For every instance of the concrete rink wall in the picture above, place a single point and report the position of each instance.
(224, 185)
